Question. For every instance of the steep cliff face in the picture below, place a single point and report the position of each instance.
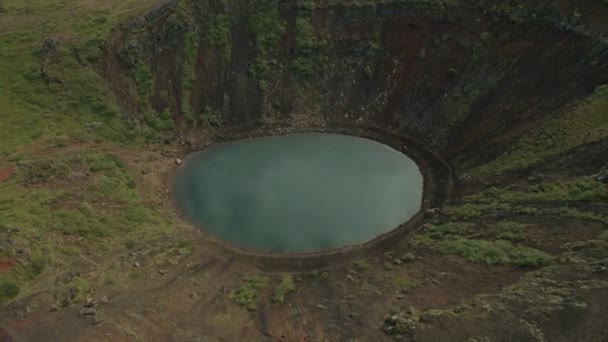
(457, 73)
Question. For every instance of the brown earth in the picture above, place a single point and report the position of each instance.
(6, 173)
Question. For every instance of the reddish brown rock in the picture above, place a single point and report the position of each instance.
(6, 173)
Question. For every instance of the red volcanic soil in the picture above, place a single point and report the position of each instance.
(6, 173)
(5, 265)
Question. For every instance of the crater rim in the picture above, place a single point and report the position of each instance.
(436, 178)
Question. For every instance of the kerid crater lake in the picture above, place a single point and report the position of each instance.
(298, 192)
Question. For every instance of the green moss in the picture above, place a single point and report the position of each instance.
(191, 43)
(210, 118)
(218, 33)
(285, 286)
(143, 80)
(268, 28)
(310, 60)
(247, 294)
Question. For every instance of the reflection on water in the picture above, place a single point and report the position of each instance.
(298, 192)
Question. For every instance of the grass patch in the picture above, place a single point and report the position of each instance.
(66, 97)
(247, 294)
(75, 290)
(493, 252)
(8, 290)
(581, 189)
(361, 265)
(582, 215)
(442, 231)
(100, 206)
(285, 286)
(405, 284)
(185, 247)
(471, 211)
(408, 257)
(457, 239)
(510, 231)
(448, 229)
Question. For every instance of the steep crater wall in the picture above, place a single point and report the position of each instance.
(467, 78)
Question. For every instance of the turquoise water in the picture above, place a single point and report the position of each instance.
(298, 192)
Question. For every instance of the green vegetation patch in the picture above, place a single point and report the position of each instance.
(89, 195)
(320, 274)
(511, 231)
(361, 265)
(500, 200)
(408, 257)
(311, 59)
(458, 239)
(585, 123)
(269, 28)
(191, 43)
(494, 252)
(185, 247)
(49, 85)
(580, 189)
(247, 294)
(8, 290)
(286, 286)
(406, 284)
(583, 215)
(219, 31)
